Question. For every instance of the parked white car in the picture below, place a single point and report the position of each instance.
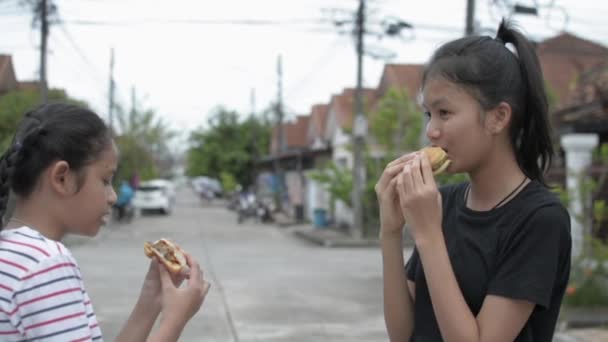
(157, 194)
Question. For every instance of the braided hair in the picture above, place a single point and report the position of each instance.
(50, 133)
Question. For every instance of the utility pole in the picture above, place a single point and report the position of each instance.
(280, 137)
(359, 130)
(254, 148)
(44, 33)
(470, 23)
(111, 94)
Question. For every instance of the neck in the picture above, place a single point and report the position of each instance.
(495, 179)
(28, 213)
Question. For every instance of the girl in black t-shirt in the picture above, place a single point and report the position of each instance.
(492, 255)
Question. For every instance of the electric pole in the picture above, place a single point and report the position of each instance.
(44, 33)
(254, 148)
(280, 137)
(470, 23)
(359, 130)
(111, 94)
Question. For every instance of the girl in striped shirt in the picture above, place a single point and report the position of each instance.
(60, 167)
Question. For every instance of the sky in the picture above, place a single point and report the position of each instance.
(184, 58)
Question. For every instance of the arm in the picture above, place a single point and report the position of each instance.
(509, 302)
(398, 304)
(500, 318)
(140, 321)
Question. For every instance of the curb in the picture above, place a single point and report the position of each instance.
(336, 242)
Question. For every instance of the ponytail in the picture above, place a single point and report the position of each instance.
(492, 73)
(531, 133)
(7, 167)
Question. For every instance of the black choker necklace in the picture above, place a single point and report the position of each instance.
(466, 194)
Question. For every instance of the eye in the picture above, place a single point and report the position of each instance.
(443, 112)
(427, 114)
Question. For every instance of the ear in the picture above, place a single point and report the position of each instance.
(63, 180)
(499, 118)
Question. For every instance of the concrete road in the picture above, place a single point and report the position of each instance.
(267, 285)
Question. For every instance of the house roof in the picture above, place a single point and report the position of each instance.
(563, 58)
(587, 104)
(29, 85)
(294, 134)
(8, 80)
(408, 76)
(318, 117)
(344, 105)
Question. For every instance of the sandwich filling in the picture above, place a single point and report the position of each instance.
(167, 251)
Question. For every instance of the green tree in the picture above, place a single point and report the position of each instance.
(228, 146)
(395, 128)
(143, 140)
(14, 104)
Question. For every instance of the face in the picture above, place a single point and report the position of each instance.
(455, 123)
(96, 196)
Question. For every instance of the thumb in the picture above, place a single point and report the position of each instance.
(165, 277)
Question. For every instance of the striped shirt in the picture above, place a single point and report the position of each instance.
(42, 295)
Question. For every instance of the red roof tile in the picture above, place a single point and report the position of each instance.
(408, 76)
(29, 85)
(563, 58)
(294, 134)
(8, 80)
(344, 105)
(318, 118)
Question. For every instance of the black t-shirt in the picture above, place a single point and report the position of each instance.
(520, 250)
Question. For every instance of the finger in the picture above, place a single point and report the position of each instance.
(165, 277)
(153, 265)
(388, 174)
(196, 275)
(427, 171)
(408, 181)
(389, 190)
(417, 179)
(206, 287)
(401, 190)
(403, 159)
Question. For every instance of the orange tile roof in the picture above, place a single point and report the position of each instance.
(294, 134)
(318, 118)
(344, 105)
(8, 80)
(563, 58)
(408, 76)
(29, 85)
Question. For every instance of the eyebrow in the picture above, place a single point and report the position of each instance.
(436, 102)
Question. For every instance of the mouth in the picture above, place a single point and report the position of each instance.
(106, 218)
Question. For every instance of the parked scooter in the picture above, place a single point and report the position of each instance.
(124, 214)
(250, 207)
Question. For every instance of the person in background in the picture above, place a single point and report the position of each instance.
(125, 195)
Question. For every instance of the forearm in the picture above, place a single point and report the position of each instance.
(398, 306)
(140, 322)
(455, 319)
(168, 331)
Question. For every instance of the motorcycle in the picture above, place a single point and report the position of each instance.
(126, 214)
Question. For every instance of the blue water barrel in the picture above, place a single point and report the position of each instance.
(320, 218)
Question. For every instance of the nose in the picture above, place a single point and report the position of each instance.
(433, 131)
(113, 197)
